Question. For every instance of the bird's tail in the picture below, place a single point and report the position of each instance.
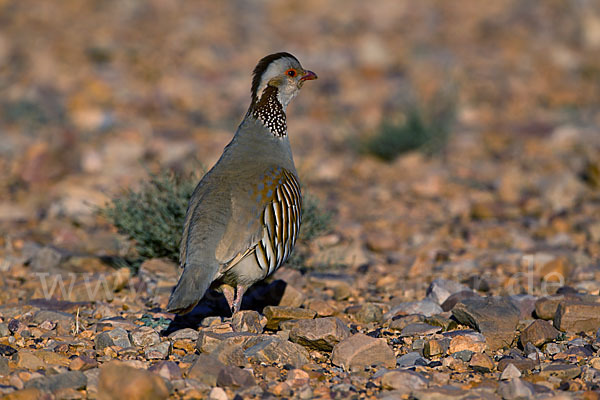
(190, 289)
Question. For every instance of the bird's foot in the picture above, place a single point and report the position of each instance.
(239, 294)
(229, 296)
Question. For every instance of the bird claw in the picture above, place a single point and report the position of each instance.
(229, 296)
(239, 294)
(236, 307)
(234, 299)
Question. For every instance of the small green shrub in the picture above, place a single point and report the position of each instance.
(423, 128)
(153, 217)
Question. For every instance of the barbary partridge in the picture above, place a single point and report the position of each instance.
(243, 218)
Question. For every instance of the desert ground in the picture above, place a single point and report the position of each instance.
(453, 149)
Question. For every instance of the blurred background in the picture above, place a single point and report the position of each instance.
(438, 132)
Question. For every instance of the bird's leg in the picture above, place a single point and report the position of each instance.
(229, 296)
(238, 298)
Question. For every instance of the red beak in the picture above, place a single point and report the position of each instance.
(308, 76)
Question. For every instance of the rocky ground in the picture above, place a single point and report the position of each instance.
(473, 273)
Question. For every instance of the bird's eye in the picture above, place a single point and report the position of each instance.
(291, 72)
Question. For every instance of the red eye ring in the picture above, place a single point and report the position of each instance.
(291, 72)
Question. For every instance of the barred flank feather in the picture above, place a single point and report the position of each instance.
(281, 219)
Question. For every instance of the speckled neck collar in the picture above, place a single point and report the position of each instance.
(270, 112)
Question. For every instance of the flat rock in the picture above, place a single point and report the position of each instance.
(276, 314)
(248, 321)
(560, 371)
(56, 305)
(424, 307)
(399, 323)
(297, 378)
(319, 334)
(52, 358)
(495, 317)
(322, 307)
(366, 313)
(360, 350)
(50, 315)
(169, 370)
(52, 383)
(481, 362)
(114, 337)
(455, 298)
(440, 289)
(467, 341)
(185, 345)
(410, 360)
(538, 333)
(521, 363)
(208, 341)
(525, 303)
(82, 363)
(579, 351)
(119, 322)
(291, 297)
(159, 351)
(552, 348)
(404, 381)
(185, 333)
(272, 349)
(26, 359)
(235, 378)
(577, 317)
(446, 324)
(206, 369)
(144, 336)
(419, 329)
(545, 307)
(227, 347)
(435, 347)
(463, 355)
(120, 381)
